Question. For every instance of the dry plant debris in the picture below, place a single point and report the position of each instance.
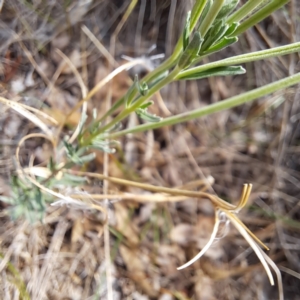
(63, 257)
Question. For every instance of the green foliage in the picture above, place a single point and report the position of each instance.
(76, 154)
(227, 8)
(191, 52)
(215, 33)
(145, 115)
(186, 31)
(232, 28)
(26, 200)
(219, 71)
(204, 13)
(222, 44)
(211, 26)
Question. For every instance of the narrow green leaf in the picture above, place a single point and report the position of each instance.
(232, 28)
(103, 148)
(205, 11)
(51, 165)
(103, 145)
(82, 121)
(223, 43)
(113, 108)
(191, 51)
(158, 78)
(74, 178)
(220, 71)
(169, 63)
(69, 148)
(186, 31)
(214, 35)
(260, 15)
(227, 8)
(197, 12)
(145, 115)
(83, 159)
(146, 105)
(143, 88)
(6, 199)
(248, 57)
(215, 28)
(131, 92)
(244, 11)
(116, 127)
(216, 107)
(210, 16)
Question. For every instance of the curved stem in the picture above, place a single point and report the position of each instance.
(207, 246)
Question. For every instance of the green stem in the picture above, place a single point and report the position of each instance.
(210, 17)
(115, 106)
(170, 62)
(135, 105)
(260, 15)
(245, 10)
(216, 107)
(166, 65)
(244, 58)
(196, 12)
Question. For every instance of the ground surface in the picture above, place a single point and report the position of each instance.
(63, 257)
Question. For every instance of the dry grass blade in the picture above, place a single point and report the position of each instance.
(253, 245)
(34, 63)
(245, 232)
(128, 196)
(39, 172)
(289, 271)
(99, 45)
(127, 13)
(103, 82)
(247, 229)
(50, 260)
(278, 274)
(84, 92)
(244, 198)
(10, 250)
(177, 192)
(29, 136)
(209, 243)
(22, 110)
(40, 113)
